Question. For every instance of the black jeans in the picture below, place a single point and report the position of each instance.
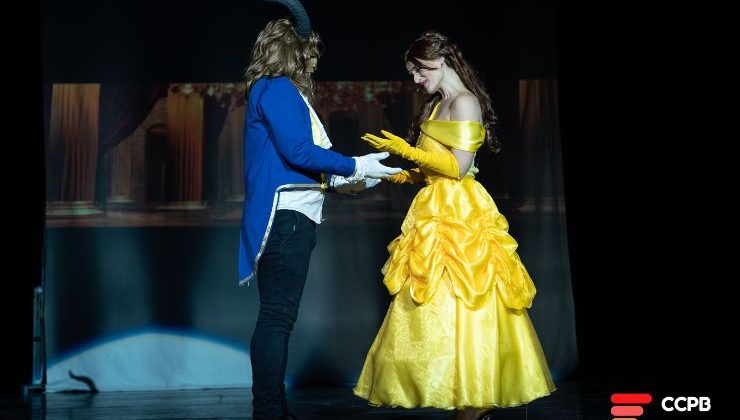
(281, 275)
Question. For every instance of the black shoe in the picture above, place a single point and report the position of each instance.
(486, 415)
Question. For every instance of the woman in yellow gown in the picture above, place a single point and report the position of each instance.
(456, 335)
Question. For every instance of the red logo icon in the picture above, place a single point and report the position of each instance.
(629, 406)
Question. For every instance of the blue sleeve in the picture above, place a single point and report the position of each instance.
(287, 116)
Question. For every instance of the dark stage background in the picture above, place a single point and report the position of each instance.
(648, 169)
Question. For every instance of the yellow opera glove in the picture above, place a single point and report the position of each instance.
(442, 163)
(407, 176)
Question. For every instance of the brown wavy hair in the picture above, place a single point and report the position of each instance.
(432, 45)
(279, 51)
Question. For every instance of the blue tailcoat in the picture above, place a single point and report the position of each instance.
(279, 154)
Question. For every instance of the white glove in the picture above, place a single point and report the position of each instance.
(370, 166)
(340, 184)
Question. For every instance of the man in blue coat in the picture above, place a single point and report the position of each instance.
(287, 168)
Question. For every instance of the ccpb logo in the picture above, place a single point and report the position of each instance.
(630, 406)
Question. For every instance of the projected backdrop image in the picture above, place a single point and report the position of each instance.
(156, 154)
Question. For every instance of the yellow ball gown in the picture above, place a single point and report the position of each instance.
(457, 333)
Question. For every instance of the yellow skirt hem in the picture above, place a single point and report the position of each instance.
(391, 404)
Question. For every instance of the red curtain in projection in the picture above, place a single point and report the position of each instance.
(98, 146)
(83, 123)
(72, 148)
(185, 145)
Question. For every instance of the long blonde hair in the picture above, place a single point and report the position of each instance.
(279, 51)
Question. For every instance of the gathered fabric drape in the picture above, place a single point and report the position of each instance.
(185, 144)
(72, 147)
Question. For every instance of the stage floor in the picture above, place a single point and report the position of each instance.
(572, 401)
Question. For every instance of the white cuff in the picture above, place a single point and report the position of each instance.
(359, 171)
